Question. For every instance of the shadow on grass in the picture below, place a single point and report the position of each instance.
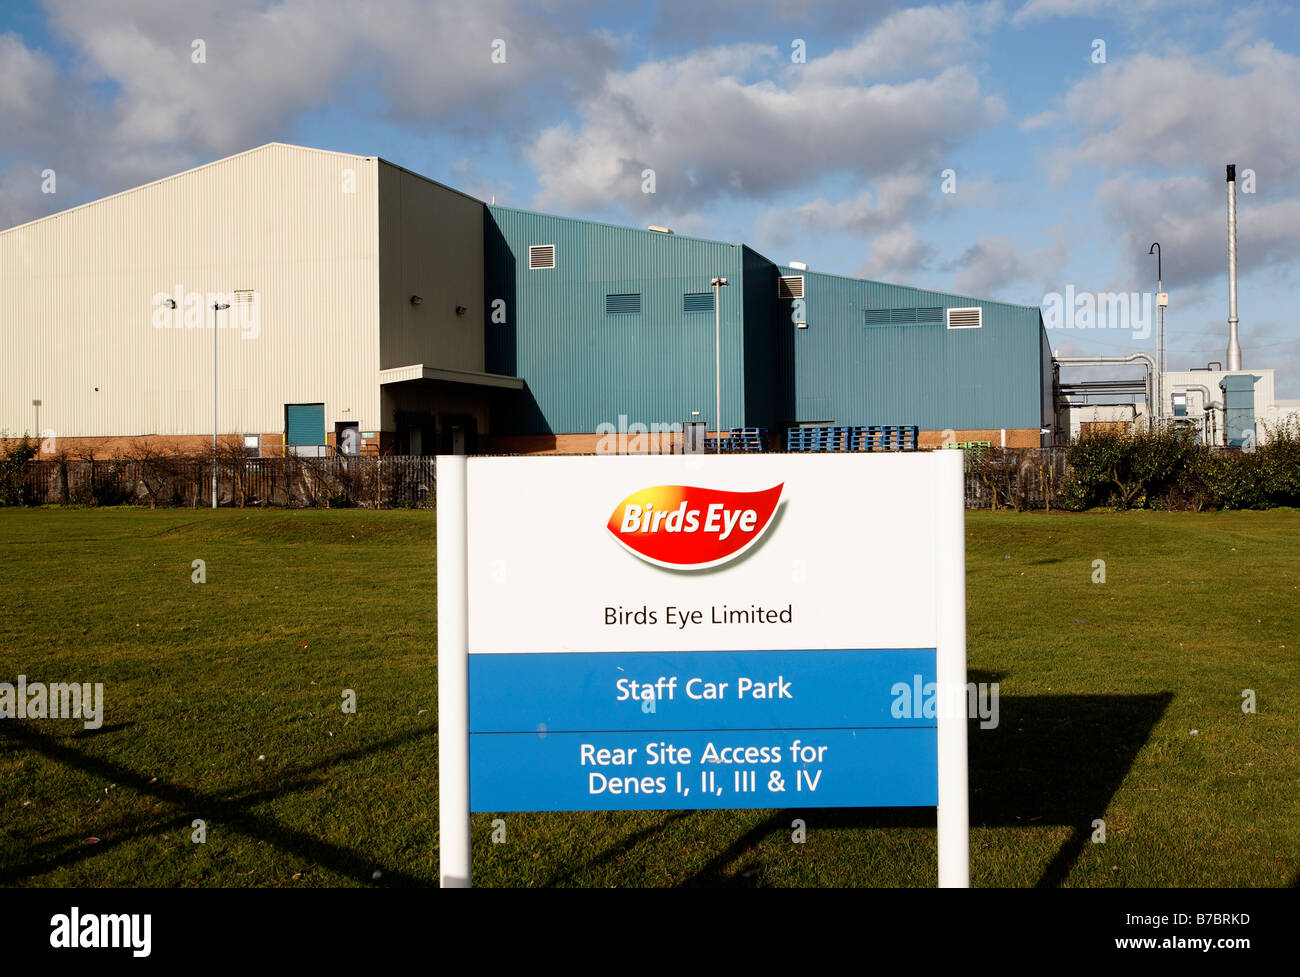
(233, 812)
(614, 851)
(1052, 760)
(83, 733)
(1058, 760)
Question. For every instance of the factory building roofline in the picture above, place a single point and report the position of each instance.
(192, 169)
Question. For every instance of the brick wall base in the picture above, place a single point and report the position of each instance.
(588, 444)
(272, 445)
(1016, 437)
(580, 444)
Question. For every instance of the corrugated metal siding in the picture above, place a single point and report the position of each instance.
(584, 367)
(885, 317)
(1046, 379)
(917, 371)
(77, 310)
(623, 304)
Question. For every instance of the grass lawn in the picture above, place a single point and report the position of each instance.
(222, 702)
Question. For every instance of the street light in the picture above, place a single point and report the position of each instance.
(216, 307)
(718, 284)
(1161, 301)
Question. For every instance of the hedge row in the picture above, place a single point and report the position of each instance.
(1174, 470)
(13, 471)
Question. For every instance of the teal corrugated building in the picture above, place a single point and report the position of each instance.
(605, 322)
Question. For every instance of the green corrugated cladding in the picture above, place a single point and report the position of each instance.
(584, 367)
(846, 372)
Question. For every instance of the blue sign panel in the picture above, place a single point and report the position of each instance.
(684, 730)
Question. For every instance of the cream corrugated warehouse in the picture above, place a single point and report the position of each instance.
(336, 270)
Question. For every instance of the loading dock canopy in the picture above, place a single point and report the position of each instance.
(418, 371)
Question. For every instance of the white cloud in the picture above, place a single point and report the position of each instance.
(27, 79)
(693, 23)
(992, 263)
(709, 127)
(1185, 112)
(899, 195)
(1047, 9)
(917, 39)
(897, 198)
(138, 107)
(266, 63)
(1188, 216)
(1040, 121)
(897, 254)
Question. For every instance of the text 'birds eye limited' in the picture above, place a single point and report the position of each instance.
(692, 528)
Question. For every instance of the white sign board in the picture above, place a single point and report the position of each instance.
(682, 632)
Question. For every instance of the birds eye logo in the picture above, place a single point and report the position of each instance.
(685, 527)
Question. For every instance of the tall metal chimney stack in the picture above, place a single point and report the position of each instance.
(1234, 347)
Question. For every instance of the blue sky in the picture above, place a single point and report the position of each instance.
(1068, 160)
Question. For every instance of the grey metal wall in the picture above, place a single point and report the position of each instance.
(430, 245)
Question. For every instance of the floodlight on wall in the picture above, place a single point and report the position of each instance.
(461, 310)
(416, 300)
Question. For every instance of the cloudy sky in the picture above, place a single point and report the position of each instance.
(1077, 132)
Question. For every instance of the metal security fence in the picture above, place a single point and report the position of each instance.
(996, 478)
(1014, 478)
(368, 482)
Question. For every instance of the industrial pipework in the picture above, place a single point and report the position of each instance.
(1208, 407)
(1143, 358)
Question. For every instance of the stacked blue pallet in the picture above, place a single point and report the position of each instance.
(864, 438)
(818, 439)
(739, 440)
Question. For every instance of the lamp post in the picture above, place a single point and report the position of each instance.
(1160, 336)
(718, 284)
(216, 307)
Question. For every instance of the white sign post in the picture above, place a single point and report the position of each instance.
(699, 631)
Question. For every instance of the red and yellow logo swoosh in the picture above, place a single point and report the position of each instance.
(686, 527)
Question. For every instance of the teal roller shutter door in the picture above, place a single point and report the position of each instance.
(304, 424)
